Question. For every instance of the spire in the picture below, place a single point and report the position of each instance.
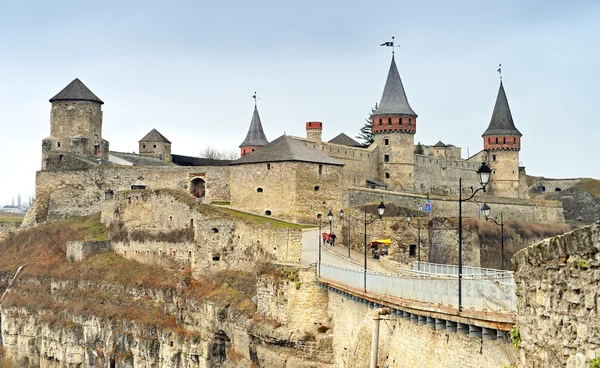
(76, 90)
(393, 100)
(256, 135)
(502, 121)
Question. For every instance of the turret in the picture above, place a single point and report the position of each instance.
(394, 127)
(255, 138)
(314, 131)
(502, 141)
(75, 124)
(156, 145)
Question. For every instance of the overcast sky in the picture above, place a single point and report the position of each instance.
(189, 69)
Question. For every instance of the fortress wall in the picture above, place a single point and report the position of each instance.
(290, 190)
(552, 184)
(405, 344)
(558, 301)
(154, 225)
(439, 176)
(64, 194)
(548, 212)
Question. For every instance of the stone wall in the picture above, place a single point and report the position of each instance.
(525, 210)
(172, 229)
(405, 344)
(557, 300)
(300, 305)
(289, 190)
(440, 176)
(64, 194)
(78, 251)
(8, 227)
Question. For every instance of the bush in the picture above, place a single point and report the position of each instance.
(595, 363)
(515, 337)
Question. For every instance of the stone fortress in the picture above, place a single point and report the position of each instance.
(79, 171)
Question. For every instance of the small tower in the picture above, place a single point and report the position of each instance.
(314, 131)
(502, 141)
(75, 124)
(255, 137)
(156, 145)
(394, 127)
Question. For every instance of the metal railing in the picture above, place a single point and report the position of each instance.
(478, 294)
(474, 272)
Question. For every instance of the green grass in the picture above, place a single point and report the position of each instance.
(278, 224)
(220, 203)
(589, 185)
(11, 217)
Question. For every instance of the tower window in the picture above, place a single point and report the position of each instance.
(320, 169)
(268, 166)
(504, 140)
(387, 175)
(143, 146)
(259, 190)
(317, 188)
(155, 146)
(489, 140)
(61, 157)
(57, 144)
(268, 213)
(380, 122)
(400, 121)
(386, 142)
(386, 158)
(496, 140)
(409, 121)
(515, 140)
(389, 121)
(493, 157)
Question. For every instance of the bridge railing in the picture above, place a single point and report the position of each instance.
(475, 272)
(477, 294)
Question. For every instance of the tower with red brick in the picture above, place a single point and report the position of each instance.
(394, 127)
(314, 131)
(502, 142)
(255, 138)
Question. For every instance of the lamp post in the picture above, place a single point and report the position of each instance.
(486, 213)
(484, 173)
(330, 217)
(380, 212)
(342, 217)
(418, 227)
(320, 237)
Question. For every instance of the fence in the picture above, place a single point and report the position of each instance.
(474, 272)
(477, 293)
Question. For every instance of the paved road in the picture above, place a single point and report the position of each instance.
(335, 256)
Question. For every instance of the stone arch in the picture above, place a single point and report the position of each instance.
(198, 187)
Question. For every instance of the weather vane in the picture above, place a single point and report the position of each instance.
(500, 71)
(255, 98)
(390, 43)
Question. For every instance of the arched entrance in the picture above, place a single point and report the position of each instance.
(198, 187)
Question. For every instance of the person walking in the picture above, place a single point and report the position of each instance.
(333, 237)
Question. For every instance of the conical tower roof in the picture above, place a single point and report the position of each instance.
(154, 136)
(76, 90)
(502, 121)
(256, 135)
(393, 99)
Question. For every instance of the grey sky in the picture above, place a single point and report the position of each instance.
(189, 69)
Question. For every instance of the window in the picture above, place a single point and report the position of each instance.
(386, 158)
(143, 146)
(192, 222)
(320, 169)
(380, 122)
(493, 157)
(389, 121)
(216, 258)
(409, 121)
(386, 142)
(155, 146)
(504, 140)
(61, 157)
(214, 230)
(400, 121)
(268, 212)
(496, 140)
(317, 188)
(268, 166)
(259, 190)
(514, 140)
(57, 144)
(489, 140)
(412, 250)
(387, 175)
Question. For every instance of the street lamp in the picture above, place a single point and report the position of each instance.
(320, 237)
(380, 212)
(342, 217)
(330, 217)
(486, 213)
(484, 173)
(418, 227)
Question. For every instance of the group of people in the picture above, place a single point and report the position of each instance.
(329, 238)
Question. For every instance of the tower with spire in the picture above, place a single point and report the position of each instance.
(394, 127)
(255, 138)
(502, 142)
(75, 124)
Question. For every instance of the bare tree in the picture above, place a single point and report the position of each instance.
(213, 153)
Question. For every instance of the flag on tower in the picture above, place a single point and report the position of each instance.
(390, 43)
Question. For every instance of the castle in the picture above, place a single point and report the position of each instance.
(290, 177)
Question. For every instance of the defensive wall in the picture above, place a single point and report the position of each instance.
(525, 210)
(440, 176)
(558, 301)
(61, 194)
(173, 229)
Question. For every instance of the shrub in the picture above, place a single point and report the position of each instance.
(595, 363)
(515, 337)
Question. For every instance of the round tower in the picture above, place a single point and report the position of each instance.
(502, 142)
(394, 127)
(75, 124)
(255, 138)
(156, 145)
(314, 131)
